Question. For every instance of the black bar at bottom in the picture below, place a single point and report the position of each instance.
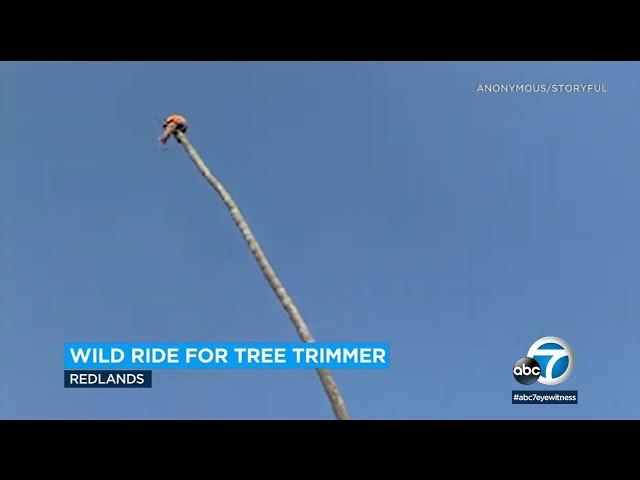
(107, 379)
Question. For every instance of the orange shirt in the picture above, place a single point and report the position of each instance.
(177, 119)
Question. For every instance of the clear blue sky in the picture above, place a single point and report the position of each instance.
(396, 203)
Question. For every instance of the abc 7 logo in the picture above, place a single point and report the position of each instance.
(550, 361)
(526, 371)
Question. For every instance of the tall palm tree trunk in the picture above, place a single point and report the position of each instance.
(329, 384)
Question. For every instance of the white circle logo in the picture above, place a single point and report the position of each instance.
(555, 357)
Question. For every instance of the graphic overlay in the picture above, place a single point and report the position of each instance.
(526, 371)
(117, 365)
(540, 397)
(555, 357)
(107, 379)
(549, 361)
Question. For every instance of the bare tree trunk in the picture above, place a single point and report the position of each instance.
(329, 384)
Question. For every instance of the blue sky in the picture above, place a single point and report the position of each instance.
(396, 203)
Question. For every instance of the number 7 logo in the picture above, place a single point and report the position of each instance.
(555, 357)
